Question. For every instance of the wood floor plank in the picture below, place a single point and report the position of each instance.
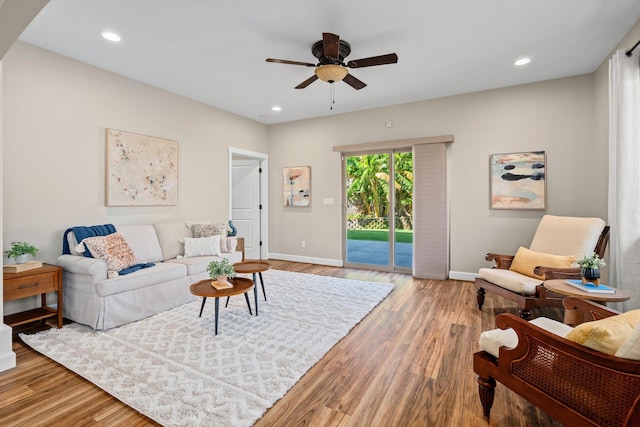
(408, 363)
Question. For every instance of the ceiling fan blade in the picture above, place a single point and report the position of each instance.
(390, 58)
(331, 45)
(353, 82)
(307, 82)
(284, 61)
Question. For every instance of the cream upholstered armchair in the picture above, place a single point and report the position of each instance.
(557, 243)
(583, 376)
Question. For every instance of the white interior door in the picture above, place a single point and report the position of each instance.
(245, 204)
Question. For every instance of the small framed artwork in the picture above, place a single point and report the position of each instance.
(141, 170)
(518, 180)
(296, 186)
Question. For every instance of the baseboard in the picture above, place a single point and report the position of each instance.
(461, 275)
(309, 260)
(7, 356)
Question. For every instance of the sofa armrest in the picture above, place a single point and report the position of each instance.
(503, 262)
(96, 268)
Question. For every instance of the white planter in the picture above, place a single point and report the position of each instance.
(21, 259)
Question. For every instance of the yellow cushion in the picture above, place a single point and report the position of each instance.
(526, 260)
(606, 335)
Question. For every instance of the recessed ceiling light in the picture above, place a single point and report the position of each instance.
(522, 61)
(111, 36)
(276, 108)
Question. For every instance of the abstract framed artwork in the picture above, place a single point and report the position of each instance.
(518, 180)
(296, 186)
(141, 170)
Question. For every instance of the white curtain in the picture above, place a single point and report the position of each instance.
(624, 175)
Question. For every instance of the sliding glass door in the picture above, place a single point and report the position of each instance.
(379, 207)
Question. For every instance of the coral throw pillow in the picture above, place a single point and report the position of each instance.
(113, 249)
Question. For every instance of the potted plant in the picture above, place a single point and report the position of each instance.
(591, 265)
(221, 270)
(21, 251)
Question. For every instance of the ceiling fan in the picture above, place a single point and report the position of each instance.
(331, 52)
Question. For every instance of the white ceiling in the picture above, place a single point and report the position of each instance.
(214, 51)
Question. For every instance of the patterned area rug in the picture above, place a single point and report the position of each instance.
(172, 368)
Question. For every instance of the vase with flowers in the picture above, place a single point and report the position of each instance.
(591, 265)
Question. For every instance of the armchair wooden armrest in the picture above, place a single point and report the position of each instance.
(588, 309)
(503, 262)
(557, 273)
(572, 383)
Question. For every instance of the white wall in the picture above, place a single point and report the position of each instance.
(555, 116)
(55, 113)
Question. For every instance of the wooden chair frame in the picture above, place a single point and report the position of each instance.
(542, 297)
(572, 383)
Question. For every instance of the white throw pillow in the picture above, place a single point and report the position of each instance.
(203, 246)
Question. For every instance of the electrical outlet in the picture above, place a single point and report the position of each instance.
(303, 244)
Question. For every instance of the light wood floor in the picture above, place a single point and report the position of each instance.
(408, 363)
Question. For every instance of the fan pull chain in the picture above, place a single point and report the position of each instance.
(333, 97)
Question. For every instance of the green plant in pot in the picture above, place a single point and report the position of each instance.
(221, 270)
(21, 251)
(591, 265)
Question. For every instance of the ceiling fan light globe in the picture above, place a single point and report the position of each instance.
(331, 73)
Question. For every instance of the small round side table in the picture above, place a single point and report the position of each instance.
(573, 317)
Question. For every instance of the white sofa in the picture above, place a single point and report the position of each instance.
(93, 299)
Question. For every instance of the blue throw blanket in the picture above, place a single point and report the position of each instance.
(82, 232)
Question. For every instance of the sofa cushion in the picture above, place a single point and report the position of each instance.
(606, 335)
(143, 241)
(202, 246)
(525, 261)
(511, 280)
(564, 235)
(113, 249)
(169, 235)
(198, 265)
(158, 274)
(492, 340)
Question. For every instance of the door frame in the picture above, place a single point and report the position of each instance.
(390, 215)
(264, 192)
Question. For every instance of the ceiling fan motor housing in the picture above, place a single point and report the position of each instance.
(318, 51)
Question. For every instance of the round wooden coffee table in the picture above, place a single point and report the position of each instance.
(560, 286)
(253, 267)
(205, 290)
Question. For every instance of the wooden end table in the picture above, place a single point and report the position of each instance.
(205, 290)
(37, 281)
(253, 267)
(574, 317)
